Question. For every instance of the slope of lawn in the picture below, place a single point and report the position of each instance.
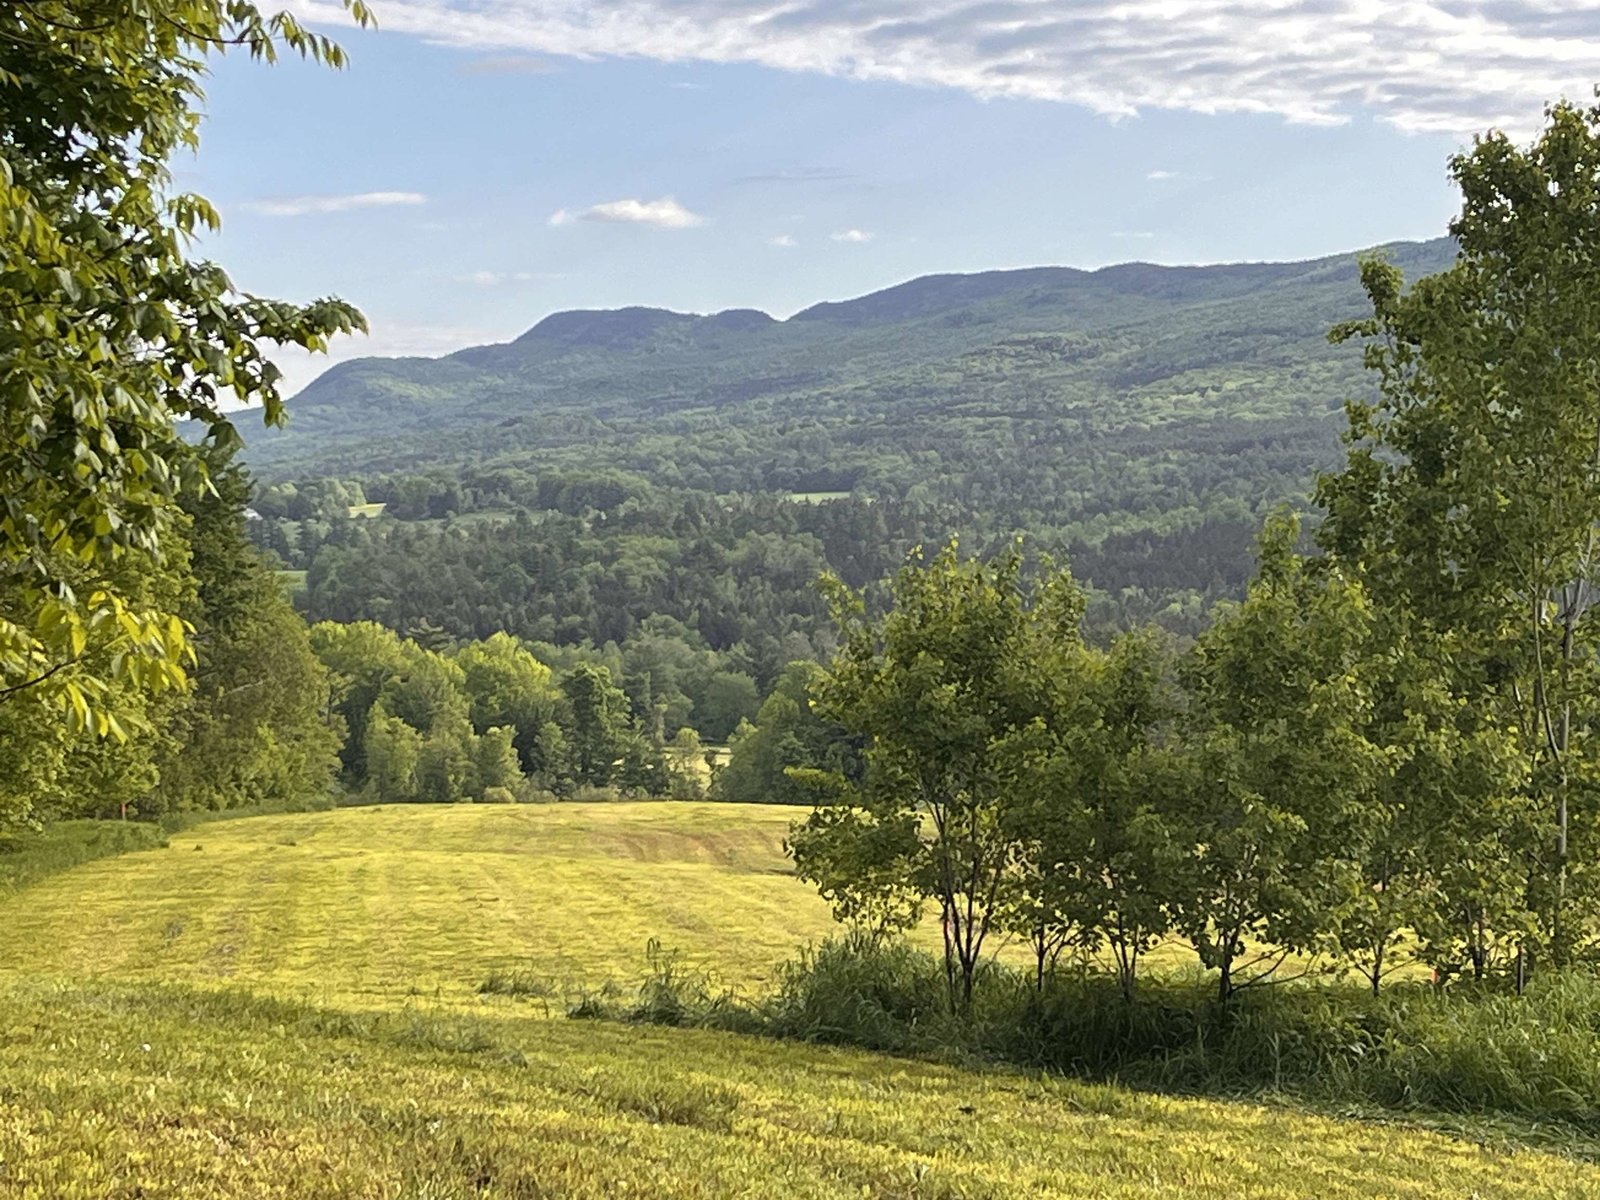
(285, 1006)
(366, 905)
(118, 1092)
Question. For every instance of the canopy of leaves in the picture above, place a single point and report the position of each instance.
(109, 331)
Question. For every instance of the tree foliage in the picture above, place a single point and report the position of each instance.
(110, 332)
(1471, 498)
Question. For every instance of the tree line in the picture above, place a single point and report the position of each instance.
(489, 721)
(248, 727)
(1383, 754)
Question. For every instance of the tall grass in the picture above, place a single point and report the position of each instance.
(1419, 1048)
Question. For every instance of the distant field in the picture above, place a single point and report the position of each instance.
(367, 510)
(370, 905)
(816, 497)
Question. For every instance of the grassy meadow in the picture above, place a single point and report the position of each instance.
(372, 905)
(286, 1006)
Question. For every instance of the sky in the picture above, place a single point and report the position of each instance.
(483, 163)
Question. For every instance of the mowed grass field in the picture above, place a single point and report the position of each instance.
(374, 905)
(289, 1010)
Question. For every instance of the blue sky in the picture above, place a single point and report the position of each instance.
(485, 162)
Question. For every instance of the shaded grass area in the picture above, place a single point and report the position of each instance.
(372, 905)
(122, 1091)
(1463, 1055)
(30, 855)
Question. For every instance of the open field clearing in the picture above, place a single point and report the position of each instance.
(118, 1092)
(369, 905)
(286, 1006)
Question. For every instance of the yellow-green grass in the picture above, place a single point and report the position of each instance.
(285, 1007)
(367, 905)
(118, 1092)
(367, 510)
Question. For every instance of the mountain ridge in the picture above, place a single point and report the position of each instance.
(1056, 352)
(629, 324)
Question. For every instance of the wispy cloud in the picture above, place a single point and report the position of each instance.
(1138, 235)
(1165, 176)
(783, 240)
(855, 236)
(665, 213)
(496, 278)
(799, 175)
(300, 206)
(1451, 66)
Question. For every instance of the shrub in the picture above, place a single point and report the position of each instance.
(1465, 1049)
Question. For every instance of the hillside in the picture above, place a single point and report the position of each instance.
(953, 371)
(284, 1007)
(1139, 419)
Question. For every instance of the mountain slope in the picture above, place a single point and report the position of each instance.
(1055, 351)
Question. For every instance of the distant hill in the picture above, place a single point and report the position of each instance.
(610, 471)
(1057, 355)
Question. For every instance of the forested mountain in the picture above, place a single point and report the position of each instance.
(607, 468)
(1061, 379)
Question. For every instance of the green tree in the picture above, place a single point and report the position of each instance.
(393, 754)
(730, 697)
(866, 864)
(1100, 806)
(361, 657)
(110, 333)
(427, 692)
(941, 689)
(1471, 495)
(255, 727)
(599, 725)
(506, 685)
(788, 736)
(496, 764)
(1279, 775)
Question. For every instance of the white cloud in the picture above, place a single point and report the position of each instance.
(300, 206)
(783, 240)
(496, 278)
(856, 236)
(1451, 66)
(1134, 234)
(1163, 176)
(665, 213)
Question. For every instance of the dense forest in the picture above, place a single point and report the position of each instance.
(611, 471)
